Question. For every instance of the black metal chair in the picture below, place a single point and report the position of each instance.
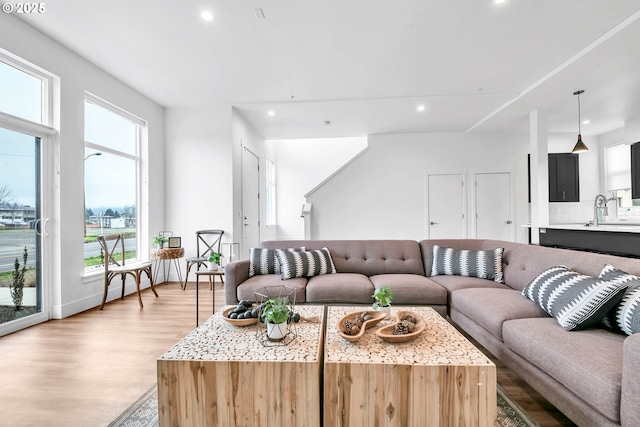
(207, 241)
(114, 265)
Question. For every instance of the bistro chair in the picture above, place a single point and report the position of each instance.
(207, 241)
(114, 265)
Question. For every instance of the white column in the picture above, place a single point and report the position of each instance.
(538, 146)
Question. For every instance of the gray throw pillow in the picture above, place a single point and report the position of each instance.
(464, 262)
(575, 300)
(265, 261)
(305, 263)
(625, 316)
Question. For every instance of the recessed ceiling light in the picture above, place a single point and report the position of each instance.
(499, 1)
(271, 113)
(586, 122)
(259, 13)
(420, 108)
(206, 15)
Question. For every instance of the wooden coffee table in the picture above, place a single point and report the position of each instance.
(438, 379)
(222, 375)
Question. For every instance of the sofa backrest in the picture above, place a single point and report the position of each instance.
(368, 257)
(522, 262)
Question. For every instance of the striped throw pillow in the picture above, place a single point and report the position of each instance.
(464, 262)
(575, 300)
(625, 316)
(265, 261)
(305, 263)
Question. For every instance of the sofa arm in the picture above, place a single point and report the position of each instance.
(629, 408)
(235, 273)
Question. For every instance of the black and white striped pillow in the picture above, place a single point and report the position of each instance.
(625, 316)
(470, 263)
(575, 300)
(305, 263)
(265, 261)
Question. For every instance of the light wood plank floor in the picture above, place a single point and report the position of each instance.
(83, 371)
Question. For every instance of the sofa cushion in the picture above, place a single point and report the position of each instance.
(466, 262)
(247, 289)
(265, 261)
(411, 288)
(453, 283)
(490, 308)
(589, 362)
(625, 316)
(340, 287)
(305, 263)
(575, 300)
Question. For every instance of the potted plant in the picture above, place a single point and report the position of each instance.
(275, 313)
(383, 297)
(159, 240)
(214, 261)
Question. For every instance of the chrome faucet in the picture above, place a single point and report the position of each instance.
(600, 203)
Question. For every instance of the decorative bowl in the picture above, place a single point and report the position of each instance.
(377, 317)
(238, 322)
(386, 332)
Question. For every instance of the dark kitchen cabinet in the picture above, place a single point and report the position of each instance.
(564, 177)
(635, 170)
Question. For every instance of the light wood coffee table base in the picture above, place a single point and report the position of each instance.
(438, 379)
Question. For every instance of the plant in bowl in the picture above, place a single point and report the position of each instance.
(383, 297)
(275, 313)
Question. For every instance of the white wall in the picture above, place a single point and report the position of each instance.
(198, 174)
(301, 165)
(382, 194)
(70, 291)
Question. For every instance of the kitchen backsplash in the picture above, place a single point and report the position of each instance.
(571, 213)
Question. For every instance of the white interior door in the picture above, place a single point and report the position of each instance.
(446, 206)
(250, 200)
(493, 206)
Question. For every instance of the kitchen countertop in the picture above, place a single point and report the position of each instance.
(610, 227)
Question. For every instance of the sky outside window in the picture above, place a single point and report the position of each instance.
(20, 93)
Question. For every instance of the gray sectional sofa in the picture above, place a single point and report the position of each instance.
(591, 375)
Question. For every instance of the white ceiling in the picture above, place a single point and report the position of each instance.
(364, 65)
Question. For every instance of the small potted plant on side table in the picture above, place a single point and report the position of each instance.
(383, 297)
(214, 261)
(159, 241)
(275, 313)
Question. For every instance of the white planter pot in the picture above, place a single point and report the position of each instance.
(212, 266)
(386, 310)
(276, 331)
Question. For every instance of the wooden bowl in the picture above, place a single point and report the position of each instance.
(238, 322)
(386, 333)
(377, 317)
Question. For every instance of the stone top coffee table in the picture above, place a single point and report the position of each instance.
(222, 375)
(437, 379)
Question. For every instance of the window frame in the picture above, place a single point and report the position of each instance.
(140, 136)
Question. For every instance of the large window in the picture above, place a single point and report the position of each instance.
(111, 177)
(271, 193)
(618, 182)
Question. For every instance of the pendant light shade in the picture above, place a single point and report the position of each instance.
(580, 146)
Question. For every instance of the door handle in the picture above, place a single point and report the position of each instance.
(508, 221)
(432, 223)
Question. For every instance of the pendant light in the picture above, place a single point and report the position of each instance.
(580, 146)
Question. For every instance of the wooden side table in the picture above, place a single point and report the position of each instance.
(159, 256)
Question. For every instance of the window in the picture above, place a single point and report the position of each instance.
(271, 192)
(23, 93)
(111, 177)
(618, 182)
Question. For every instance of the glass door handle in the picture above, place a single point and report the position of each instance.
(44, 227)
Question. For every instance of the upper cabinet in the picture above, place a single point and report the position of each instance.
(564, 177)
(635, 170)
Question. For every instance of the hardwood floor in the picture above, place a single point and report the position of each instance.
(86, 369)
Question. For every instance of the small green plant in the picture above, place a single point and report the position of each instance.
(383, 297)
(276, 310)
(215, 257)
(17, 286)
(159, 240)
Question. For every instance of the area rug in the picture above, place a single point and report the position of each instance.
(144, 412)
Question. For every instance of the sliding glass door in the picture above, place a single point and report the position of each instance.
(21, 228)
